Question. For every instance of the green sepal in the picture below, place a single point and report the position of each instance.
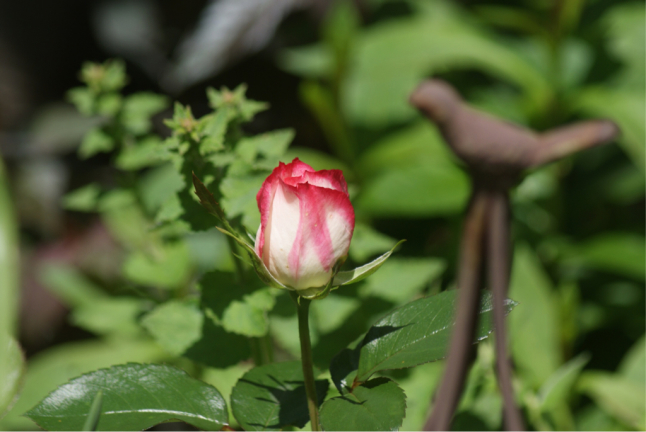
(210, 204)
(258, 264)
(360, 273)
(317, 293)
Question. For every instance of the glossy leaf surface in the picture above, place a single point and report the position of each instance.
(273, 396)
(56, 366)
(379, 404)
(415, 333)
(135, 397)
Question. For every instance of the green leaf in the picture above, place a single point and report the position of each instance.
(625, 39)
(402, 168)
(210, 251)
(169, 267)
(218, 348)
(322, 103)
(360, 273)
(415, 333)
(420, 144)
(400, 279)
(236, 308)
(55, 366)
(538, 357)
(245, 108)
(243, 318)
(214, 131)
(224, 379)
(105, 77)
(382, 74)
(109, 316)
(313, 61)
(145, 396)
(593, 418)
(378, 404)
(405, 192)
(207, 199)
(125, 219)
(70, 285)
(92, 420)
(270, 145)
(273, 396)
(624, 106)
(554, 393)
(158, 185)
(138, 108)
(12, 368)
(633, 365)
(258, 264)
(239, 199)
(144, 153)
(83, 99)
(95, 141)
(83, 199)
(344, 366)
(619, 253)
(176, 325)
(108, 105)
(617, 395)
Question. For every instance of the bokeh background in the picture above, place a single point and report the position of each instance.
(339, 73)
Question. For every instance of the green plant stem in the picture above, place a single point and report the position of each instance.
(303, 307)
(239, 268)
(262, 350)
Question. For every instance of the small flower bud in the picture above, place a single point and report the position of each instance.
(306, 225)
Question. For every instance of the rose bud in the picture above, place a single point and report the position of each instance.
(306, 225)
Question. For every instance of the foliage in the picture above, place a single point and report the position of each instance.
(183, 297)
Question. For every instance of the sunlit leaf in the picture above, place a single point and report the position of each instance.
(176, 325)
(55, 366)
(83, 199)
(537, 357)
(379, 404)
(95, 141)
(145, 396)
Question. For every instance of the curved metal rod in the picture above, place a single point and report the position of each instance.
(469, 283)
(498, 267)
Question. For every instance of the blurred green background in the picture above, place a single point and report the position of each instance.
(86, 285)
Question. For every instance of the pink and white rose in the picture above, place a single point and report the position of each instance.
(306, 225)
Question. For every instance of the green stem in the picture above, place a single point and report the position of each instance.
(239, 269)
(303, 307)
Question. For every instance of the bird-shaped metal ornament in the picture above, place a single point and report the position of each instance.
(496, 153)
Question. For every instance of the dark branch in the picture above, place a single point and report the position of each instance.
(498, 246)
(457, 364)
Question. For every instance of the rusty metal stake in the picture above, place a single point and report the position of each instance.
(496, 154)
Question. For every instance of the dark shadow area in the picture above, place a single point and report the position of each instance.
(291, 399)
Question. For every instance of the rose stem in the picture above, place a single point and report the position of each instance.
(303, 308)
(239, 269)
(498, 245)
(457, 364)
